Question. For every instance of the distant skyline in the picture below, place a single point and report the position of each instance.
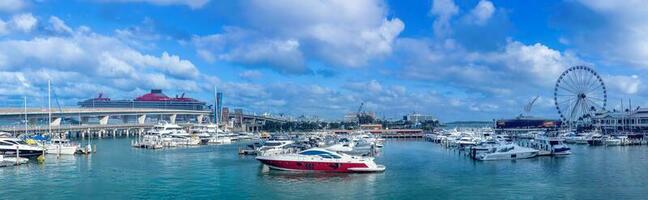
(457, 60)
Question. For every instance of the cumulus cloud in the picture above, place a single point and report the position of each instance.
(482, 12)
(193, 4)
(336, 32)
(59, 26)
(624, 84)
(3, 27)
(251, 74)
(95, 62)
(619, 27)
(443, 11)
(24, 23)
(12, 5)
(246, 47)
(506, 77)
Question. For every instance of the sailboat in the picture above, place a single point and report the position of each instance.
(58, 146)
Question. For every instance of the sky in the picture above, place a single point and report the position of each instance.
(454, 59)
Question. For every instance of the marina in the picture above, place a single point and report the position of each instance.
(323, 99)
(415, 169)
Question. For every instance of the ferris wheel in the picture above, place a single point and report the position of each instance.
(578, 94)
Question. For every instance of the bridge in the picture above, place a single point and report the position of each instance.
(112, 119)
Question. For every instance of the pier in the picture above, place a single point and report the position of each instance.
(101, 122)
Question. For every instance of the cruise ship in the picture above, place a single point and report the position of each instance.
(154, 99)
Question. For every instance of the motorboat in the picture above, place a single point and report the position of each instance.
(343, 145)
(507, 152)
(210, 134)
(549, 145)
(160, 136)
(617, 140)
(595, 140)
(61, 146)
(573, 138)
(9, 147)
(185, 139)
(275, 147)
(321, 160)
(466, 141)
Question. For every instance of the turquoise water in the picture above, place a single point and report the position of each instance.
(415, 170)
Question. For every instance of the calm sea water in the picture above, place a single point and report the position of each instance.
(415, 170)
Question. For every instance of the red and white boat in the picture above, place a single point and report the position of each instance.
(322, 160)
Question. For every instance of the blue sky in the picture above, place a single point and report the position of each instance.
(455, 59)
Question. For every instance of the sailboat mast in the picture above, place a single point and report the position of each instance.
(25, 109)
(49, 107)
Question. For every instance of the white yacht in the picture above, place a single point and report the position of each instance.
(211, 134)
(275, 147)
(466, 141)
(507, 152)
(549, 145)
(9, 147)
(61, 146)
(164, 135)
(174, 133)
(617, 141)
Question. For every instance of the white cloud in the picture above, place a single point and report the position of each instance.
(537, 61)
(95, 63)
(482, 12)
(443, 10)
(3, 28)
(251, 74)
(497, 82)
(193, 4)
(12, 5)
(624, 84)
(246, 47)
(23, 22)
(619, 27)
(59, 26)
(337, 32)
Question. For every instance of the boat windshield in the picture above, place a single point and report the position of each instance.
(272, 144)
(505, 149)
(322, 154)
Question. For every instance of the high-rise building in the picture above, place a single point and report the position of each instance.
(219, 106)
(225, 116)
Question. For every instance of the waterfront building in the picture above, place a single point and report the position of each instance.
(618, 122)
(419, 118)
(154, 99)
(524, 124)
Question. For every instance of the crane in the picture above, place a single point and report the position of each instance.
(527, 108)
(359, 113)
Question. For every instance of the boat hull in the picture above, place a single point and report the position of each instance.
(65, 150)
(511, 156)
(315, 166)
(23, 153)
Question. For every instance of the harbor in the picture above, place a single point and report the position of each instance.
(323, 99)
(189, 151)
(416, 169)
